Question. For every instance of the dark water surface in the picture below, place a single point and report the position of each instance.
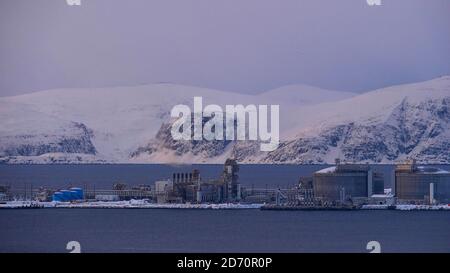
(104, 175)
(159, 230)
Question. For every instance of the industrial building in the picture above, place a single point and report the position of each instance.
(345, 182)
(189, 187)
(421, 184)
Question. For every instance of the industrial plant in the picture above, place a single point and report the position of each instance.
(189, 187)
(342, 186)
(350, 186)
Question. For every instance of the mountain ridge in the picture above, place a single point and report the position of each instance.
(127, 125)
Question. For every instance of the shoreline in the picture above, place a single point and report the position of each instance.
(141, 204)
(132, 204)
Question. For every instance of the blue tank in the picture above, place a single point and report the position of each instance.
(73, 195)
(66, 195)
(58, 196)
(78, 193)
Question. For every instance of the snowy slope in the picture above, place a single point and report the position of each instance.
(384, 125)
(131, 124)
(381, 126)
(110, 124)
(369, 108)
(26, 132)
(304, 95)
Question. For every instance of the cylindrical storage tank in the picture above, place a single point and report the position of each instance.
(73, 195)
(412, 186)
(58, 197)
(415, 186)
(66, 195)
(78, 193)
(330, 184)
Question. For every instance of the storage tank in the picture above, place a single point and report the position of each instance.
(329, 184)
(78, 193)
(413, 184)
(351, 180)
(73, 195)
(66, 195)
(58, 197)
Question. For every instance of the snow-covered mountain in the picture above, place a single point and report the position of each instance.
(111, 124)
(131, 124)
(386, 125)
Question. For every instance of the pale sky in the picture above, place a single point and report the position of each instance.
(245, 46)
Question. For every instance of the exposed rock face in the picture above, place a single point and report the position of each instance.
(77, 141)
(418, 130)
